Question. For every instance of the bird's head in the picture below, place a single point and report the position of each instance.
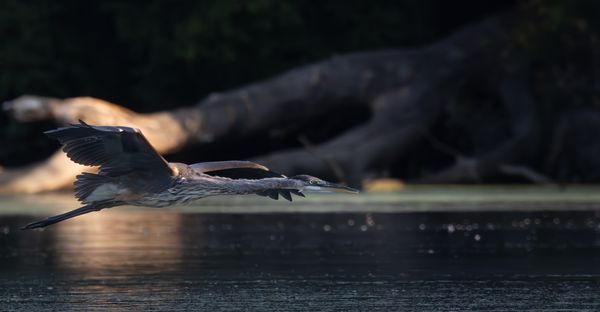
(316, 185)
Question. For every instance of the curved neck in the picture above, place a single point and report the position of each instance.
(248, 186)
(212, 185)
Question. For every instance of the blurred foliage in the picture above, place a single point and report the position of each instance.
(564, 47)
(157, 54)
(562, 39)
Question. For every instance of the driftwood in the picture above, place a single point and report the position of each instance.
(405, 90)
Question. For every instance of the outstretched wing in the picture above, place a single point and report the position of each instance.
(229, 169)
(237, 169)
(117, 150)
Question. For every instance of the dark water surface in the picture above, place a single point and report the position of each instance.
(173, 261)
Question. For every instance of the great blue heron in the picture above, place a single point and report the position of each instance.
(133, 173)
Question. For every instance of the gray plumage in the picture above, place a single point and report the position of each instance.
(131, 172)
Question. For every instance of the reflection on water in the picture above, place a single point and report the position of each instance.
(326, 261)
(109, 242)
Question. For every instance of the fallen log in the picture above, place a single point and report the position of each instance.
(406, 91)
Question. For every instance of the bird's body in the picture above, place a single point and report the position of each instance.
(133, 173)
(184, 187)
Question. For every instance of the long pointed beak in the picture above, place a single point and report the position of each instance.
(338, 188)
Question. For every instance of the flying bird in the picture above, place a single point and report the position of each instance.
(133, 173)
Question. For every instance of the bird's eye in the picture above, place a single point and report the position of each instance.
(314, 182)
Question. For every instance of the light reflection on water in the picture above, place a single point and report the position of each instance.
(325, 261)
(107, 242)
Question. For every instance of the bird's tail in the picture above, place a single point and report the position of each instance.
(68, 215)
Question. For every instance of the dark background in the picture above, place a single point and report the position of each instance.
(154, 55)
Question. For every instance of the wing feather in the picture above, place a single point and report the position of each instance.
(116, 150)
(214, 166)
